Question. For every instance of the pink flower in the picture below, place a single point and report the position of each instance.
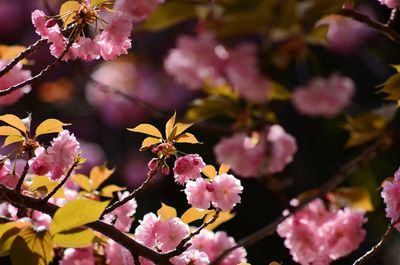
(13, 77)
(389, 3)
(193, 257)
(63, 151)
(145, 233)
(197, 194)
(282, 148)
(170, 233)
(6, 176)
(390, 195)
(226, 191)
(81, 256)
(242, 71)
(324, 97)
(138, 9)
(41, 164)
(41, 220)
(242, 153)
(124, 213)
(188, 167)
(117, 254)
(196, 60)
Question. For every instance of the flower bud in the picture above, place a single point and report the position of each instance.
(209, 187)
(50, 23)
(153, 163)
(165, 170)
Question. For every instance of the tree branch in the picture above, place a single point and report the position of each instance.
(23, 175)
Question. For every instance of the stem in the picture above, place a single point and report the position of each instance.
(133, 194)
(21, 56)
(73, 166)
(23, 175)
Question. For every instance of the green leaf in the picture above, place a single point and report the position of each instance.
(39, 243)
(13, 121)
(50, 126)
(166, 212)
(146, 129)
(83, 182)
(75, 238)
(99, 174)
(169, 14)
(75, 214)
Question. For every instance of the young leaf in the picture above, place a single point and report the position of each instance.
(193, 214)
(12, 139)
(50, 126)
(209, 171)
(8, 233)
(223, 168)
(166, 212)
(146, 129)
(222, 218)
(44, 185)
(67, 11)
(187, 138)
(39, 243)
(170, 125)
(149, 141)
(108, 191)
(20, 254)
(75, 214)
(8, 130)
(75, 238)
(354, 197)
(83, 182)
(180, 128)
(13, 121)
(99, 174)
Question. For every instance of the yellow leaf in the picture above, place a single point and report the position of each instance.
(97, 3)
(13, 121)
(83, 182)
(275, 263)
(170, 125)
(8, 232)
(10, 52)
(50, 126)
(166, 212)
(179, 128)
(223, 168)
(75, 238)
(99, 174)
(149, 141)
(187, 138)
(75, 214)
(209, 171)
(108, 191)
(222, 218)
(146, 129)
(8, 130)
(44, 185)
(39, 243)
(12, 139)
(193, 214)
(278, 92)
(67, 11)
(354, 197)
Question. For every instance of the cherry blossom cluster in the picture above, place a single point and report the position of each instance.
(317, 235)
(165, 235)
(202, 60)
(266, 152)
(13, 77)
(111, 30)
(324, 97)
(390, 195)
(221, 191)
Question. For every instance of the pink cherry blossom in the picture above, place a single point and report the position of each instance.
(226, 191)
(324, 97)
(170, 233)
(146, 231)
(6, 176)
(13, 77)
(188, 167)
(241, 153)
(390, 195)
(81, 256)
(124, 213)
(138, 9)
(242, 71)
(196, 60)
(193, 257)
(282, 147)
(41, 164)
(117, 254)
(389, 3)
(197, 194)
(41, 220)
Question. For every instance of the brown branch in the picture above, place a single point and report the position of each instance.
(182, 246)
(21, 56)
(73, 166)
(343, 173)
(385, 29)
(134, 193)
(108, 230)
(23, 175)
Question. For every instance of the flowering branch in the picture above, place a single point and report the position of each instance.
(108, 230)
(23, 175)
(21, 56)
(344, 172)
(385, 29)
(133, 194)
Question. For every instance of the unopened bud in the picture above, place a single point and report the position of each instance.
(165, 170)
(154, 150)
(153, 163)
(209, 187)
(50, 23)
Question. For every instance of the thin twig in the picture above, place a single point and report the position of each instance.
(134, 193)
(23, 175)
(343, 173)
(73, 166)
(364, 19)
(21, 56)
